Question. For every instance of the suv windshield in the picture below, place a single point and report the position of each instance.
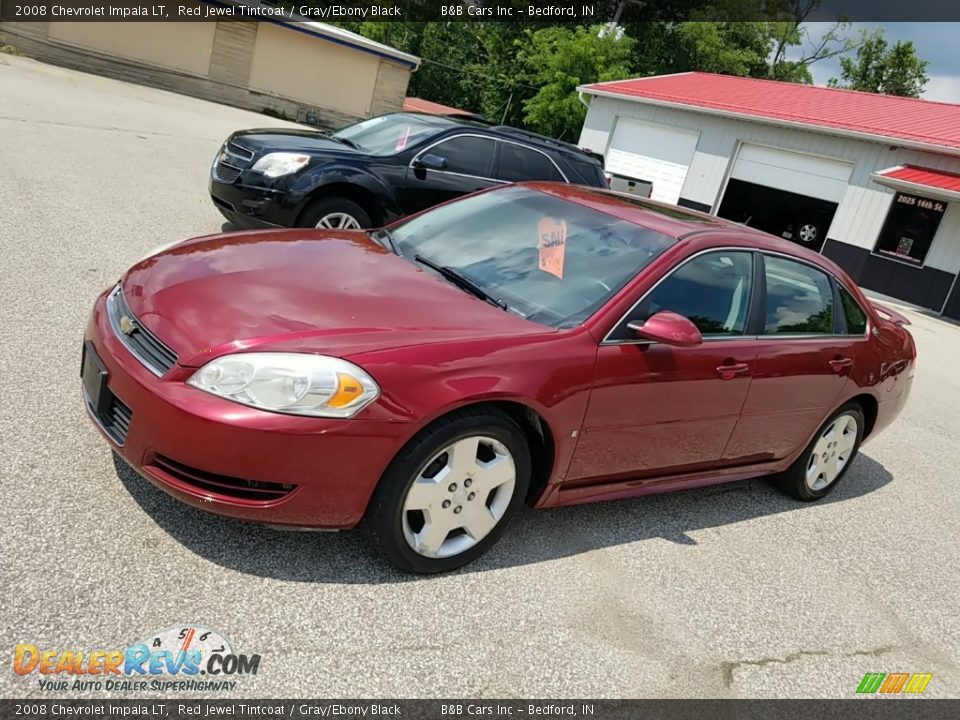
(387, 134)
(549, 260)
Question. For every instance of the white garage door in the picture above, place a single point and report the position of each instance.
(660, 155)
(795, 172)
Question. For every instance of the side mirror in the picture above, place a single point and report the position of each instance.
(429, 161)
(668, 328)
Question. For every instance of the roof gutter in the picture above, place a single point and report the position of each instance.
(793, 124)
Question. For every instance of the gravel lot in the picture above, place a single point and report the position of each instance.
(729, 591)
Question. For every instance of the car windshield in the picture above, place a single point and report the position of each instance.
(387, 134)
(547, 259)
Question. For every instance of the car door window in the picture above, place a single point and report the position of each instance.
(713, 291)
(517, 163)
(467, 155)
(799, 299)
(855, 316)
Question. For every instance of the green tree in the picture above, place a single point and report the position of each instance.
(557, 60)
(879, 68)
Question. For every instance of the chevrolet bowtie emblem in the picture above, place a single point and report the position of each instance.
(126, 325)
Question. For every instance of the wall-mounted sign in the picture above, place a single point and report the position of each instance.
(910, 228)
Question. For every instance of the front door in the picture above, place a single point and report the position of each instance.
(468, 167)
(658, 410)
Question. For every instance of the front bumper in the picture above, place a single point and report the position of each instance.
(254, 207)
(238, 461)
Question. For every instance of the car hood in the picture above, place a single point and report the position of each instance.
(338, 293)
(291, 140)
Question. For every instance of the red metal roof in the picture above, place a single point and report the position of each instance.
(921, 122)
(413, 104)
(924, 176)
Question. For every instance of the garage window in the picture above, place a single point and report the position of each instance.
(712, 291)
(909, 228)
(799, 299)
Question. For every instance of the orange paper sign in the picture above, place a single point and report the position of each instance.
(553, 245)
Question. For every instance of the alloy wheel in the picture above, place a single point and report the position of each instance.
(832, 452)
(459, 497)
(808, 233)
(338, 221)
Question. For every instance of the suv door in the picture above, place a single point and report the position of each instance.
(658, 410)
(803, 363)
(468, 167)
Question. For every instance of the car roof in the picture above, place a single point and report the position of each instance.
(676, 222)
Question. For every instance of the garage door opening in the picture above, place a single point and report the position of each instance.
(798, 218)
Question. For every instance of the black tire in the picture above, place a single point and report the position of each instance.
(794, 481)
(384, 518)
(334, 204)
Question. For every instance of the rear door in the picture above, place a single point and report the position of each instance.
(804, 359)
(468, 168)
(516, 163)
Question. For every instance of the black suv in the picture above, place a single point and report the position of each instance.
(371, 173)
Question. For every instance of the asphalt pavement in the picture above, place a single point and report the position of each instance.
(731, 591)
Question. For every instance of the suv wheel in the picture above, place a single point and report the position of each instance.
(335, 213)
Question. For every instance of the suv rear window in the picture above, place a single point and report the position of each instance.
(587, 172)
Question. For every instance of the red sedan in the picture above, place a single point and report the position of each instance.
(538, 343)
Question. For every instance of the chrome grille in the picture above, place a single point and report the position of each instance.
(225, 173)
(143, 344)
(232, 160)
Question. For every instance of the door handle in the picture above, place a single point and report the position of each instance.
(839, 364)
(731, 370)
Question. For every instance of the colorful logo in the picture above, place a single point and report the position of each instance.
(894, 683)
(186, 651)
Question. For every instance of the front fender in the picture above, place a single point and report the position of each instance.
(325, 178)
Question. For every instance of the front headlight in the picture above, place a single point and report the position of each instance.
(280, 163)
(294, 383)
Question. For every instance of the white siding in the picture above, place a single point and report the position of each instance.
(865, 203)
(945, 251)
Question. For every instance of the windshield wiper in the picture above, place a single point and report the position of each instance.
(461, 281)
(384, 234)
(348, 143)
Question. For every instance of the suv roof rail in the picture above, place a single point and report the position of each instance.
(467, 115)
(537, 136)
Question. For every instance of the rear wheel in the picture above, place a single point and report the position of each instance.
(335, 213)
(450, 493)
(828, 456)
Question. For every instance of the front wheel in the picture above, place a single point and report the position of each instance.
(450, 493)
(335, 213)
(828, 456)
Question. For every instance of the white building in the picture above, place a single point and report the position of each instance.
(871, 181)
